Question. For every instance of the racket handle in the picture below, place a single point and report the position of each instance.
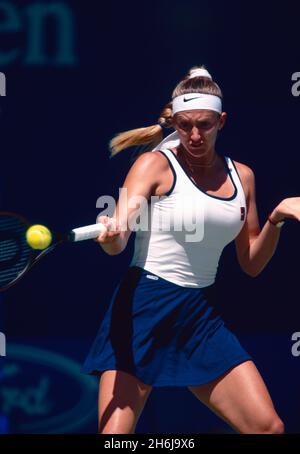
(88, 232)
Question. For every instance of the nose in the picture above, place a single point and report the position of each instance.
(195, 134)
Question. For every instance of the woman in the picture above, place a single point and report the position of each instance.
(162, 328)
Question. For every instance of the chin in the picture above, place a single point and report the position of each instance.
(200, 149)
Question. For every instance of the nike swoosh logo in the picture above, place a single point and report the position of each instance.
(190, 99)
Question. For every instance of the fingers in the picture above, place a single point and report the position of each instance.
(112, 231)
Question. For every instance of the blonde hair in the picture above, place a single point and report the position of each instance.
(152, 135)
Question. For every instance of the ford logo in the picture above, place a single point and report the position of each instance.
(44, 392)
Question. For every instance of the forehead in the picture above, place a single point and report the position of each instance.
(196, 115)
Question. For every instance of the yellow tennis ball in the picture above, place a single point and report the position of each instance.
(38, 237)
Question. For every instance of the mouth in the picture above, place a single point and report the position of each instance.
(196, 145)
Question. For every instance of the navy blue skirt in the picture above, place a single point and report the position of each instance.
(163, 334)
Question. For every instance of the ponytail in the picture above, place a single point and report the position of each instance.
(150, 135)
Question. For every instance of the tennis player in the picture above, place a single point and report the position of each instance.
(162, 327)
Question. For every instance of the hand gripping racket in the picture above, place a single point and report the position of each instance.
(17, 257)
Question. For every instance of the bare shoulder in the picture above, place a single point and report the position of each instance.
(152, 161)
(146, 173)
(246, 175)
(245, 172)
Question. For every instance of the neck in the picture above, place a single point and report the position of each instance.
(198, 164)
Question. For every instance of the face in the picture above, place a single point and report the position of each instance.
(198, 130)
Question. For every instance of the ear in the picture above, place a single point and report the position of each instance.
(223, 118)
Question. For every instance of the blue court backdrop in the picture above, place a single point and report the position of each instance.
(79, 72)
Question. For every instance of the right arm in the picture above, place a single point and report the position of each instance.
(142, 179)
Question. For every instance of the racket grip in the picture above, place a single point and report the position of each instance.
(88, 232)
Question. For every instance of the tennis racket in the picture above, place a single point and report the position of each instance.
(17, 257)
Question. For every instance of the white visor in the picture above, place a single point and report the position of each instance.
(196, 101)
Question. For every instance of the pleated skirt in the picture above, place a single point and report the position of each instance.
(163, 334)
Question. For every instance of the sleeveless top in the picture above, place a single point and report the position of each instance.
(187, 228)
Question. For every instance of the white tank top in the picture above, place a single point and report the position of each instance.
(166, 252)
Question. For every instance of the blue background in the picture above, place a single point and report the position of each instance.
(124, 60)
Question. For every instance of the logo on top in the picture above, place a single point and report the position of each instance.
(190, 99)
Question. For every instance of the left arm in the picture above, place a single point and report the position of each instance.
(255, 247)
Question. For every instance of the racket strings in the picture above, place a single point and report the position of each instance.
(15, 253)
